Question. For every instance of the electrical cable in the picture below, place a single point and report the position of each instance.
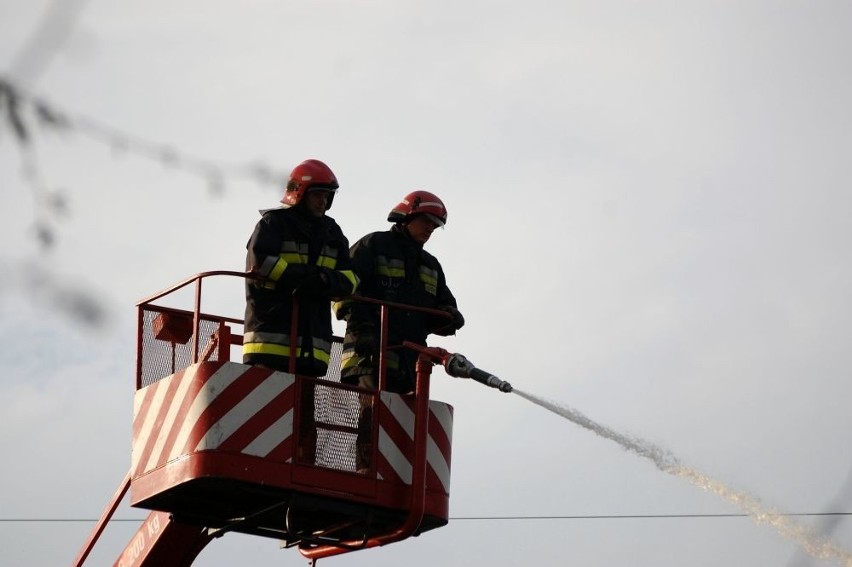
(498, 518)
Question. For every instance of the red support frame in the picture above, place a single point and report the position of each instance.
(102, 522)
(418, 482)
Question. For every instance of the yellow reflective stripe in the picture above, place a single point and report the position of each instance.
(391, 268)
(327, 257)
(267, 348)
(271, 267)
(326, 262)
(294, 258)
(391, 272)
(352, 277)
(428, 276)
(282, 339)
(278, 269)
(293, 252)
(282, 350)
(358, 361)
(349, 359)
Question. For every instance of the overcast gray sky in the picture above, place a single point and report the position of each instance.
(649, 209)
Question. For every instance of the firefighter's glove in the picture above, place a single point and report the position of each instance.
(314, 285)
(444, 326)
(457, 317)
(293, 276)
(297, 272)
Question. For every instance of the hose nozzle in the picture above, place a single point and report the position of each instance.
(460, 367)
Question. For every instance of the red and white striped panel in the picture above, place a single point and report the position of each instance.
(396, 435)
(213, 405)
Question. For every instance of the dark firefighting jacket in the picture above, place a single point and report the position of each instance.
(393, 267)
(294, 253)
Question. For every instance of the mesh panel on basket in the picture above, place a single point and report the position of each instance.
(161, 358)
(337, 411)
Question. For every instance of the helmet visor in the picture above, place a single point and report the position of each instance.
(434, 219)
(322, 188)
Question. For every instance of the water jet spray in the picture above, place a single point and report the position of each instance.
(458, 366)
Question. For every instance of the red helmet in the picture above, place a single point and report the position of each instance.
(417, 203)
(311, 174)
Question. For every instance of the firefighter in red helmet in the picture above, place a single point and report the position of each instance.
(297, 249)
(393, 266)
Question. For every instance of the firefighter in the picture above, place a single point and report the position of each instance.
(299, 252)
(393, 266)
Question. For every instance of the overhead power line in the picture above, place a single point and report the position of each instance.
(641, 516)
(499, 518)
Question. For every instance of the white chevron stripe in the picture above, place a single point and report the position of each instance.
(394, 456)
(438, 463)
(272, 437)
(404, 416)
(223, 378)
(169, 419)
(244, 410)
(137, 402)
(400, 411)
(144, 430)
(441, 412)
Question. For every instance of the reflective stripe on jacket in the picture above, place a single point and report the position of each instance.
(391, 267)
(287, 248)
